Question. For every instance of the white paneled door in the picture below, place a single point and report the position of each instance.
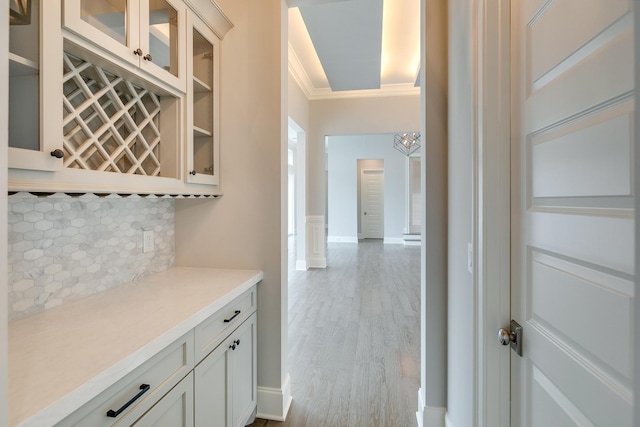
(372, 203)
(572, 212)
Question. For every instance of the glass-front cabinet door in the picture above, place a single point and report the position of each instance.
(35, 139)
(203, 136)
(163, 39)
(148, 34)
(111, 24)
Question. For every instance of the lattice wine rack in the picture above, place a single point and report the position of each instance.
(110, 124)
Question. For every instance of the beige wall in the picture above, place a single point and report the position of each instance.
(243, 229)
(351, 116)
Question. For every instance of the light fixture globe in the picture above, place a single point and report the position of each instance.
(406, 143)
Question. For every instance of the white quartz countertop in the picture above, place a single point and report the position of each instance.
(62, 358)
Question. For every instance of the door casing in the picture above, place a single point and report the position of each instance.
(491, 216)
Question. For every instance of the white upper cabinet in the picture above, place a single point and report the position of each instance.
(203, 135)
(115, 96)
(35, 118)
(149, 34)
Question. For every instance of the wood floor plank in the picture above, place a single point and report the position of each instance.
(354, 338)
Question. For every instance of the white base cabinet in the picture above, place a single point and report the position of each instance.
(207, 378)
(225, 381)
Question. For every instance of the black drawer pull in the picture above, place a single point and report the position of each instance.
(235, 314)
(143, 389)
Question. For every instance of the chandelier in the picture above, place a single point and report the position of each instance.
(19, 12)
(406, 143)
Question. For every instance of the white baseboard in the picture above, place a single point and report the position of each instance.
(393, 241)
(342, 239)
(407, 236)
(319, 262)
(429, 416)
(412, 243)
(301, 265)
(274, 403)
(447, 420)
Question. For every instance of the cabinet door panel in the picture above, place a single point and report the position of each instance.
(35, 74)
(118, 19)
(211, 404)
(110, 17)
(163, 40)
(175, 409)
(243, 372)
(203, 135)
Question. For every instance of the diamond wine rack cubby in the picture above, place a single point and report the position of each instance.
(110, 124)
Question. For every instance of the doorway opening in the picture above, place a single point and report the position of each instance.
(296, 196)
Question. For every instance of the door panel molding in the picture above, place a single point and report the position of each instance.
(572, 251)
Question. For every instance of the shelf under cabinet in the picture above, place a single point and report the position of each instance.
(20, 66)
(198, 131)
(199, 86)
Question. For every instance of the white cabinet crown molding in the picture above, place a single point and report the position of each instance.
(212, 15)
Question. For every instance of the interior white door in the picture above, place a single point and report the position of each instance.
(572, 212)
(372, 203)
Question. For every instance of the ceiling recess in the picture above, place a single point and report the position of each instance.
(347, 37)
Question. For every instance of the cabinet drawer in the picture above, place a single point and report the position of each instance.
(161, 373)
(175, 409)
(211, 332)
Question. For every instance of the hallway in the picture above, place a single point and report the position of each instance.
(354, 338)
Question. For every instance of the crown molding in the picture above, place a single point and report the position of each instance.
(212, 15)
(298, 72)
(301, 77)
(405, 89)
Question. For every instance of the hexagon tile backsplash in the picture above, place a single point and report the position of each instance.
(63, 248)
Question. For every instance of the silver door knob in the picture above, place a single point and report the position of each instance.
(512, 336)
(505, 337)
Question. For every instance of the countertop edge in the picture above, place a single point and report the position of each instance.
(69, 403)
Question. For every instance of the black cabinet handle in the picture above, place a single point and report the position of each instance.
(237, 342)
(235, 314)
(57, 153)
(143, 389)
(138, 52)
(193, 172)
(148, 57)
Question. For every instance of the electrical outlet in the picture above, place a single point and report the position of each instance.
(470, 257)
(147, 241)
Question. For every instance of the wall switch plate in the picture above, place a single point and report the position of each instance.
(470, 257)
(147, 241)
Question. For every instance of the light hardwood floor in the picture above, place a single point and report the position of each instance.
(354, 338)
